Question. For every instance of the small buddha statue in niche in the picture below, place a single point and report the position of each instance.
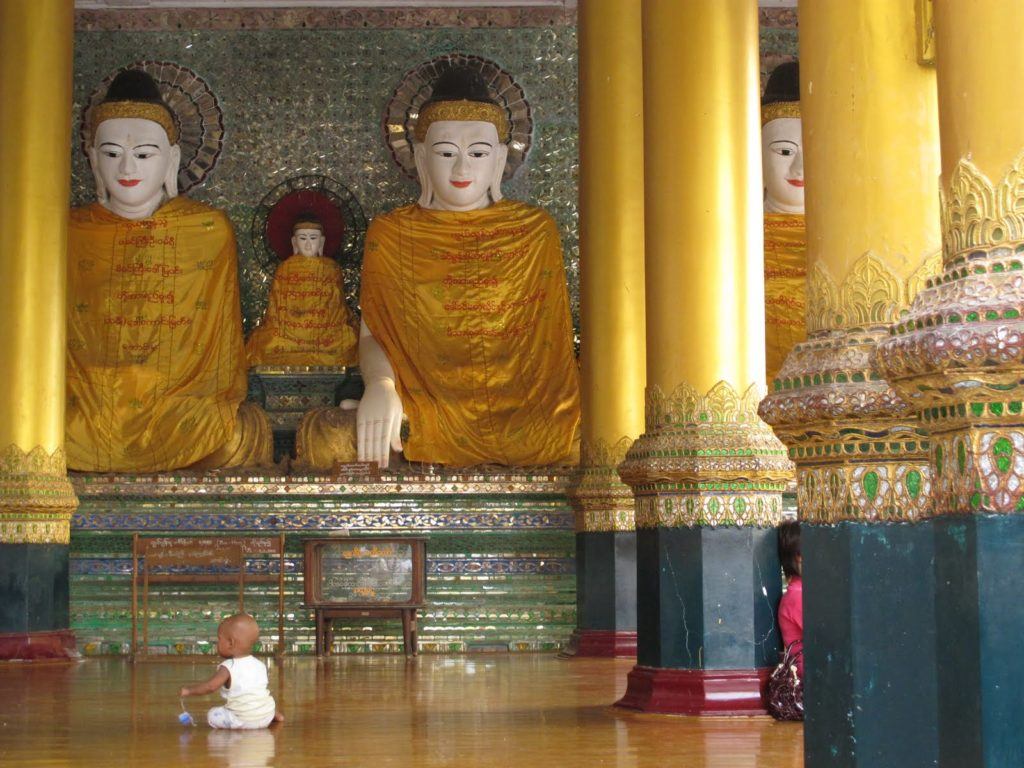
(156, 370)
(307, 321)
(785, 242)
(466, 327)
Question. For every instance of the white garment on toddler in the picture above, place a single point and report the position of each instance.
(248, 703)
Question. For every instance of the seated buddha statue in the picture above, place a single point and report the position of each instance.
(466, 328)
(307, 321)
(785, 241)
(156, 370)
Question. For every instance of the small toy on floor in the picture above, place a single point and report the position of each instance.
(241, 678)
(185, 718)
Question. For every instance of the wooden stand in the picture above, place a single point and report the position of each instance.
(164, 556)
(326, 614)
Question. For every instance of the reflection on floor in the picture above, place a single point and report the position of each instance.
(473, 711)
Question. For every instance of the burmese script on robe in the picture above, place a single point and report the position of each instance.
(785, 287)
(472, 311)
(306, 322)
(156, 364)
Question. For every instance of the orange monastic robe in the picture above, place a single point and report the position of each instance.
(473, 313)
(306, 322)
(156, 365)
(785, 287)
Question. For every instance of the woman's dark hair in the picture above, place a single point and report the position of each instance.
(789, 547)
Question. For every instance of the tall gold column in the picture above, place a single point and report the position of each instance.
(613, 355)
(958, 357)
(707, 472)
(36, 498)
(869, 115)
(871, 158)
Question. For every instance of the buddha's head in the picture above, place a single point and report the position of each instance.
(308, 236)
(782, 148)
(134, 154)
(461, 144)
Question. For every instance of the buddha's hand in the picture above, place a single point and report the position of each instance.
(379, 422)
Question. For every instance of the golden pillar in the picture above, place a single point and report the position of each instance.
(36, 498)
(871, 157)
(958, 358)
(707, 473)
(613, 355)
(869, 113)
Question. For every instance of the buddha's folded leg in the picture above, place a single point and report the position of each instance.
(251, 444)
(325, 437)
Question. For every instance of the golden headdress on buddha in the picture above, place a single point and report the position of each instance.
(461, 94)
(307, 220)
(134, 93)
(782, 94)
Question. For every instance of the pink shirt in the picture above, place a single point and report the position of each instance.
(791, 618)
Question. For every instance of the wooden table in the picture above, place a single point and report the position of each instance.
(325, 615)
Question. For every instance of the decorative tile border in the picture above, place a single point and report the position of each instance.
(164, 20)
(436, 566)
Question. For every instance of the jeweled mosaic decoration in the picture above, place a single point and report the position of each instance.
(500, 574)
(860, 450)
(602, 502)
(36, 499)
(706, 459)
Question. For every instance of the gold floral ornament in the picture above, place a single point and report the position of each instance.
(706, 460)
(778, 110)
(140, 109)
(36, 497)
(601, 501)
(463, 110)
(979, 214)
(871, 295)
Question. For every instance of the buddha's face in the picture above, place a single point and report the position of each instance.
(782, 157)
(460, 163)
(308, 242)
(134, 165)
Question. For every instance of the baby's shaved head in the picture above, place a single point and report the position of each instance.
(242, 628)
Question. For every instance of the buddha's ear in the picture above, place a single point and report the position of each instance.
(171, 179)
(323, 242)
(419, 154)
(295, 243)
(499, 171)
(101, 188)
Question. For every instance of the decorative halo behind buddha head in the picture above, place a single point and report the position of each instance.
(197, 116)
(404, 108)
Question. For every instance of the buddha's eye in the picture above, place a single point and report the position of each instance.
(785, 152)
(479, 153)
(144, 155)
(446, 153)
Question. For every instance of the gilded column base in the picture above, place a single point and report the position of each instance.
(958, 358)
(859, 449)
(36, 497)
(600, 500)
(706, 460)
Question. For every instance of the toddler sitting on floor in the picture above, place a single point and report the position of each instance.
(242, 679)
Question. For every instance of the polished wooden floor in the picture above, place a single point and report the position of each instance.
(375, 711)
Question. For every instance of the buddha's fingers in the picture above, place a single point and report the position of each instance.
(395, 433)
(377, 455)
(361, 429)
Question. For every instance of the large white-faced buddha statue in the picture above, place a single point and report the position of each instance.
(466, 326)
(156, 369)
(785, 242)
(307, 322)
